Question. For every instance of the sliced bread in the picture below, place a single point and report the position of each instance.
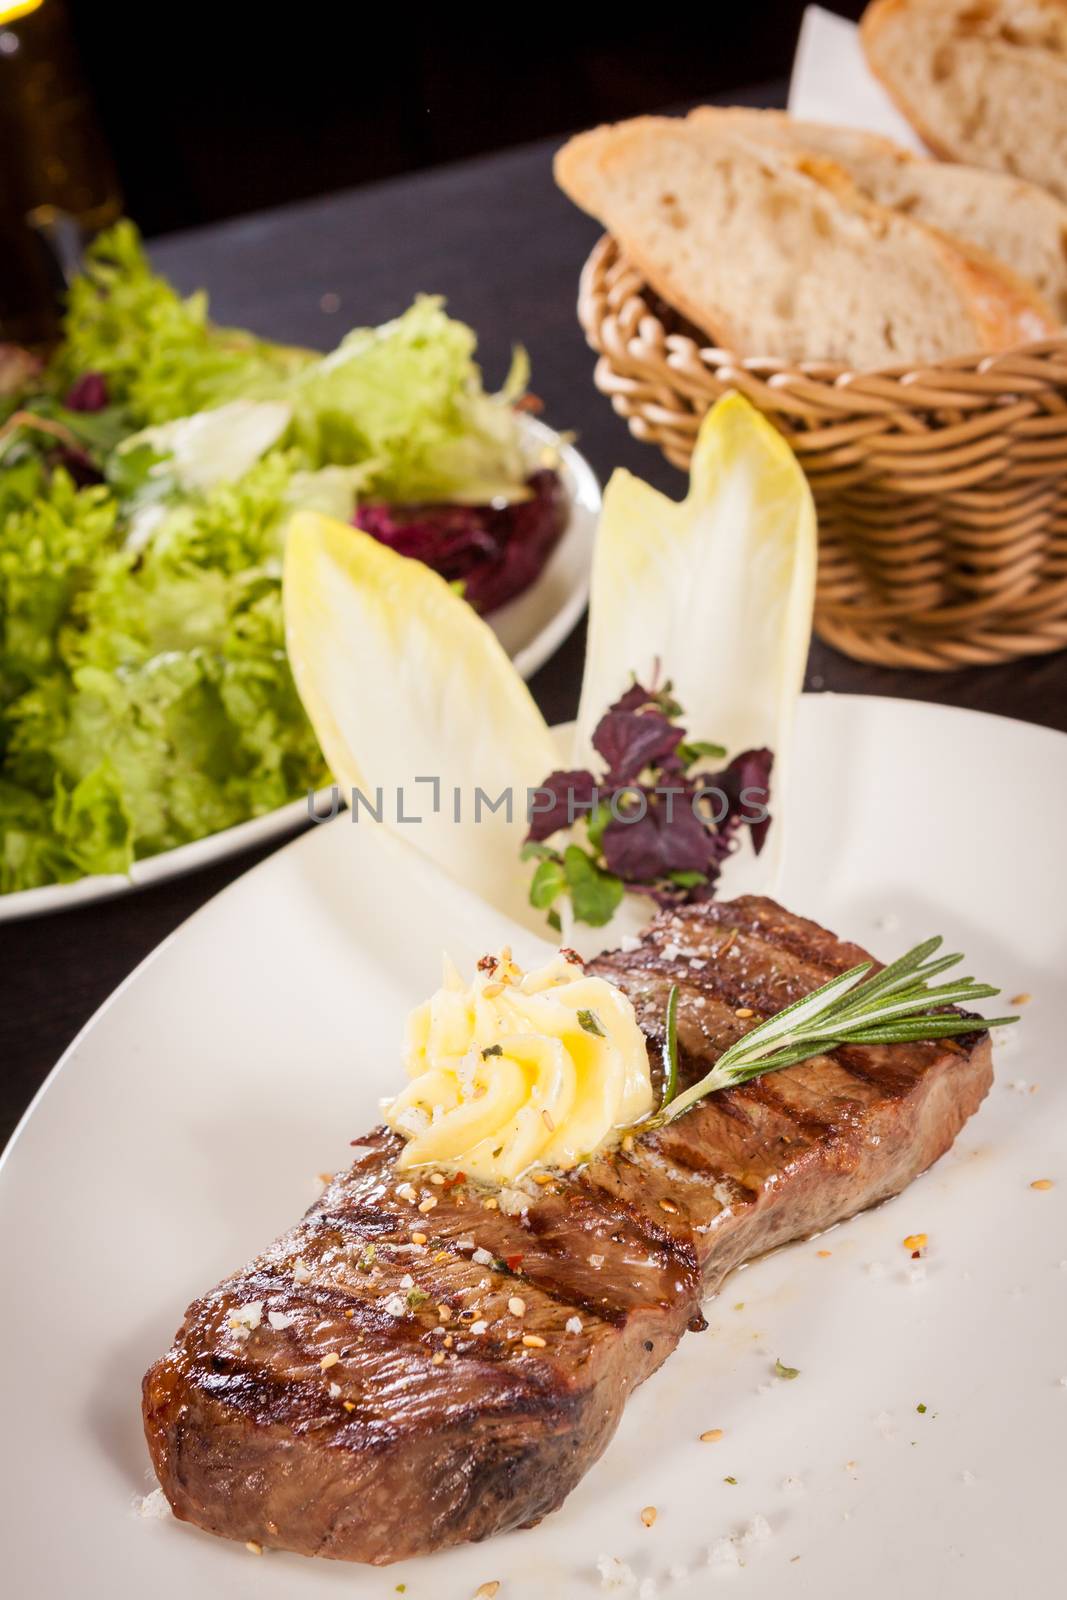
(774, 254)
(982, 81)
(1023, 225)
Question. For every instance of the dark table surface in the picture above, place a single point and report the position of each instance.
(505, 247)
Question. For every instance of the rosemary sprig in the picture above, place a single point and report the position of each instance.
(670, 1050)
(898, 1005)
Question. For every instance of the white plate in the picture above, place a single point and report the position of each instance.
(531, 628)
(186, 1124)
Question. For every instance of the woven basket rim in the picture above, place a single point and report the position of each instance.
(608, 255)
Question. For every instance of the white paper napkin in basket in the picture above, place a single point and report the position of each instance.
(833, 83)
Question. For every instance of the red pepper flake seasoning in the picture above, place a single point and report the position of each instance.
(572, 956)
(487, 964)
(513, 1263)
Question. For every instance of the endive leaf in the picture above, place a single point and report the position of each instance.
(403, 681)
(714, 591)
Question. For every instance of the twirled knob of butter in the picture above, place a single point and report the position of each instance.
(519, 1070)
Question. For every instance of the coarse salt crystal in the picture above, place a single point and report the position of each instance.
(724, 1553)
(917, 1273)
(153, 1505)
(968, 1476)
(479, 1326)
(792, 1484)
(885, 1424)
(758, 1530)
(335, 1391)
(464, 1244)
(249, 1316)
(1063, 1383)
(647, 1589)
(596, 1262)
(574, 1325)
(395, 1305)
(407, 1281)
(614, 1574)
(678, 1572)
(875, 1269)
(301, 1271)
(406, 1191)
(484, 1258)
(671, 952)
(697, 964)
(279, 1320)
(629, 944)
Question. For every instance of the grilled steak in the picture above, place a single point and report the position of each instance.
(358, 1393)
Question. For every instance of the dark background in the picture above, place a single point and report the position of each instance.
(228, 108)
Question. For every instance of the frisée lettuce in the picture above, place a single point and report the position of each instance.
(146, 479)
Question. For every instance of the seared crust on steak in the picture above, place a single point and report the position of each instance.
(438, 1429)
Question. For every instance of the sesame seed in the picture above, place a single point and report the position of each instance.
(1042, 1183)
(437, 1177)
(491, 991)
(427, 1204)
(486, 1591)
(406, 1191)
(439, 1359)
(491, 1204)
(648, 1516)
(480, 1326)
(349, 1405)
(711, 1436)
(1021, 999)
(628, 1143)
(254, 1547)
(669, 1205)
(445, 1313)
(546, 1118)
(542, 1178)
(517, 1306)
(350, 1313)
(418, 1238)
(329, 1361)
(449, 1341)
(533, 1341)
(744, 1012)
(823, 1254)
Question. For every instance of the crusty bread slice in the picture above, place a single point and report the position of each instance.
(776, 255)
(1022, 225)
(982, 81)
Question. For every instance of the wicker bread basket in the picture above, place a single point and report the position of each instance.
(941, 491)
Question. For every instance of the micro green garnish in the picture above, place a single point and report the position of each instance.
(921, 1409)
(417, 1297)
(591, 1023)
(492, 1050)
(655, 820)
(730, 1480)
(782, 1371)
(897, 1005)
(670, 1050)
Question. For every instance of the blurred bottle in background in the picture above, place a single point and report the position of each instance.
(57, 182)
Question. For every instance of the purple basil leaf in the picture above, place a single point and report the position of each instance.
(746, 784)
(630, 741)
(570, 790)
(653, 847)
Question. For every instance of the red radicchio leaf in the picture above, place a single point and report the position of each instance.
(87, 393)
(494, 551)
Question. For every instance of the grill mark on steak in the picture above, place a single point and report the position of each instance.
(446, 1442)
